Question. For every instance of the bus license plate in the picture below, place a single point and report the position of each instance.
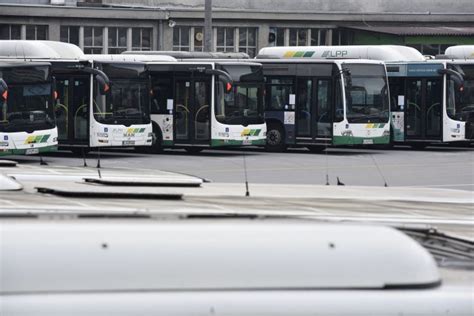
(368, 142)
(128, 143)
(32, 151)
(246, 142)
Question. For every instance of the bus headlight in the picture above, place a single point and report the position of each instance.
(347, 133)
(386, 133)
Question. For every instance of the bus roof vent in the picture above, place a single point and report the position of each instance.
(39, 50)
(460, 52)
(180, 255)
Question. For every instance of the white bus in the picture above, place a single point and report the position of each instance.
(430, 99)
(101, 103)
(27, 124)
(316, 102)
(205, 103)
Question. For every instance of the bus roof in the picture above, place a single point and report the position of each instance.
(460, 52)
(373, 52)
(206, 255)
(132, 58)
(39, 50)
(192, 55)
(19, 63)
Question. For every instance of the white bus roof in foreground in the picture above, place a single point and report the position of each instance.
(460, 52)
(374, 52)
(131, 58)
(39, 50)
(208, 255)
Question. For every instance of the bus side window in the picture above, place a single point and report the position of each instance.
(162, 91)
(338, 102)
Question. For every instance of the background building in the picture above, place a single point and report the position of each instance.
(113, 26)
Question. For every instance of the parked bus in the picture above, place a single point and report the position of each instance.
(27, 124)
(204, 103)
(315, 102)
(432, 100)
(101, 103)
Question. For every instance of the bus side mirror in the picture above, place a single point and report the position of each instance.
(3, 89)
(455, 76)
(102, 79)
(223, 76)
(104, 85)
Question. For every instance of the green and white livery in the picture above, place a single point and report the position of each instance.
(319, 96)
(27, 123)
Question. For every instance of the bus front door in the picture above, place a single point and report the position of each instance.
(313, 115)
(72, 109)
(424, 108)
(192, 112)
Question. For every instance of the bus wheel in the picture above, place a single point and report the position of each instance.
(316, 149)
(157, 144)
(193, 150)
(275, 138)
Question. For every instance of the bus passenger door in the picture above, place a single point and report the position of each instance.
(324, 110)
(192, 114)
(183, 111)
(72, 109)
(424, 108)
(304, 107)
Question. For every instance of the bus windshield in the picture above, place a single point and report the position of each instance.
(126, 104)
(460, 105)
(241, 106)
(27, 108)
(367, 97)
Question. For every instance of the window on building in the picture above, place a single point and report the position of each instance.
(10, 32)
(298, 37)
(276, 36)
(93, 40)
(225, 39)
(248, 41)
(141, 38)
(117, 40)
(36, 32)
(431, 49)
(181, 35)
(318, 37)
(197, 33)
(70, 34)
(342, 37)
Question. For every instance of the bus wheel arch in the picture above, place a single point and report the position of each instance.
(276, 136)
(157, 142)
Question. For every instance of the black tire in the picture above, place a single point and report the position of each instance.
(194, 150)
(157, 143)
(316, 149)
(275, 138)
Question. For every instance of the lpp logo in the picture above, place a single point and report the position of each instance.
(334, 54)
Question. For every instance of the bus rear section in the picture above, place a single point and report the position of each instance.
(320, 103)
(27, 123)
(203, 104)
(121, 117)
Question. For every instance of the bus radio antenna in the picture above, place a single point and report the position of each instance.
(247, 191)
(379, 170)
(84, 157)
(98, 158)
